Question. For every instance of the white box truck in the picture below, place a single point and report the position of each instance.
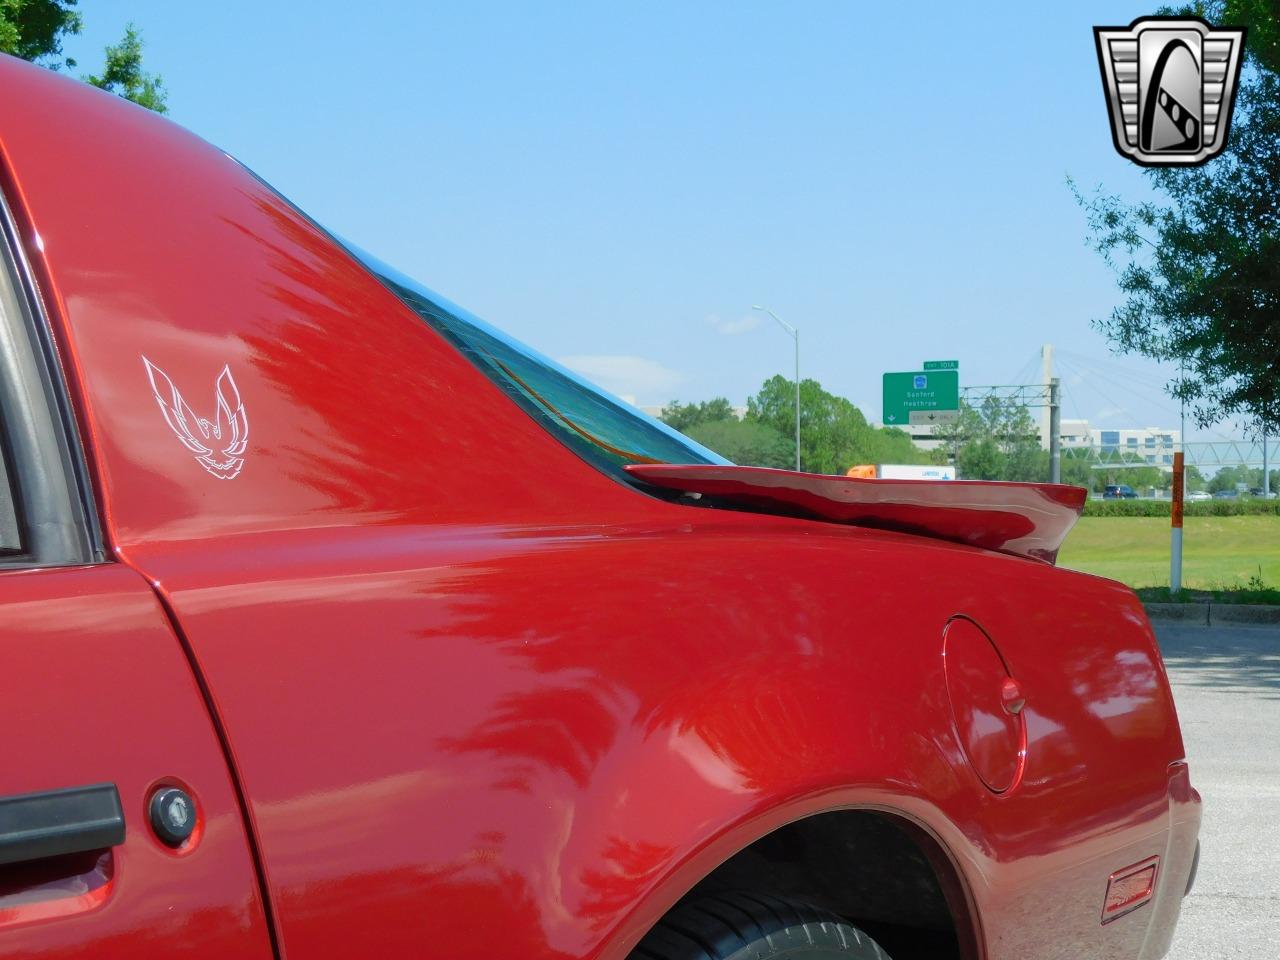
(903, 471)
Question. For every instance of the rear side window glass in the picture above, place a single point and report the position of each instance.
(605, 431)
(10, 541)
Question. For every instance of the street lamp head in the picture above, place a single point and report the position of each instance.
(791, 331)
(795, 335)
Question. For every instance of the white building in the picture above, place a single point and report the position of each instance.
(1075, 434)
(1154, 445)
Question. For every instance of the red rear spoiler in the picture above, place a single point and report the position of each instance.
(1024, 519)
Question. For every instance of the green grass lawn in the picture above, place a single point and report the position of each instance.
(1217, 552)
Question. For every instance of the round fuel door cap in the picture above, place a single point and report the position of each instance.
(986, 705)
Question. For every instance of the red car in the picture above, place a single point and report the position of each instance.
(335, 624)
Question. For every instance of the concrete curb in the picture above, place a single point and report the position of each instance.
(1243, 613)
(1210, 613)
(1186, 612)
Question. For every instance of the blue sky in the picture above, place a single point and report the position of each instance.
(616, 184)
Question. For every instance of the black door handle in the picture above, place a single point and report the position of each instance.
(34, 826)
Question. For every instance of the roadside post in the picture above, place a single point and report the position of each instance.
(1175, 533)
(1055, 431)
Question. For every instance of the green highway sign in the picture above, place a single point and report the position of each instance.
(921, 397)
(942, 365)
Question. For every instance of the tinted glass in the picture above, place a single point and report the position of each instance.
(10, 541)
(603, 429)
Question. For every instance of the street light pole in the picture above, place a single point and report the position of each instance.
(795, 335)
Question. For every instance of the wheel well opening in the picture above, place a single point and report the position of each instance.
(878, 871)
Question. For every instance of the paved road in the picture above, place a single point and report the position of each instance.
(1226, 680)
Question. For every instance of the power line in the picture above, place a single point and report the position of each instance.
(1025, 371)
(1105, 396)
(1130, 389)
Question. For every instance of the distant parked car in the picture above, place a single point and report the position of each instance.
(1119, 491)
(1225, 495)
(1196, 496)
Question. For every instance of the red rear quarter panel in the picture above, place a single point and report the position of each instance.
(567, 727)
(481, 695)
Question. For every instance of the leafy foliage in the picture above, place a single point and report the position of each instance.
(1255, 591)
(1244, 507)
(834, 435)
(34, 30)
(1261, 17)
(1077, 470)
(1201, 272)
(746, 442)
(996, 441)
(1229, 478)
(1140, 478)
(685, 416)
(125, 77)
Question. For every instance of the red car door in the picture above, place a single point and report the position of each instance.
(100, 713)
(97, 693)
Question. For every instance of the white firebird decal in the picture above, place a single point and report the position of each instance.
(228, 432)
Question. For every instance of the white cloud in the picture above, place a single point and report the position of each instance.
(627, 375)
(748, 321)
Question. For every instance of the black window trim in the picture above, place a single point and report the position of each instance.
(53, 496)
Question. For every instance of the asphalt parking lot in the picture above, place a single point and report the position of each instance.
(1226, 680)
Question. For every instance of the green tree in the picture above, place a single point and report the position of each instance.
(1077, 470)
(685, 416)
(1015, 432)
(35, 30)
(1141, 478)
(996, 441)
(889, 445)
(1199, 266)
(1224, 479)
(834, 435)
(1261, 17)
(746, 442)
(1148, 478)
(1229, 478)
(125, 77)
(980, 459)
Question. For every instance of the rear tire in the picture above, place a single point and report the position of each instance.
(753, 926)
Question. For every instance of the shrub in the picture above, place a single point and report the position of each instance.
(1204, 508)
(1126, 508)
